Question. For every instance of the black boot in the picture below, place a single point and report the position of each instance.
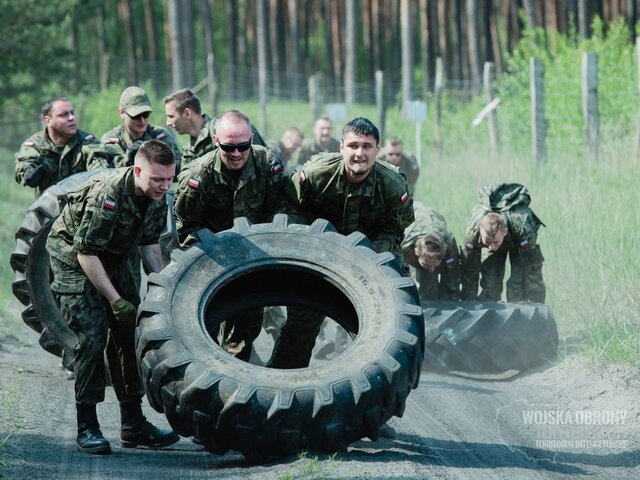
(90, 439)
(136, 431)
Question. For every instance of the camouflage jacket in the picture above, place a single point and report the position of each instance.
(83, 152)
(104, 217)
(409, 166)
(380, 206)
(207, 197)
(119, 139)
(277, 148)
(512, 202)
(203, 144)
(310, 148)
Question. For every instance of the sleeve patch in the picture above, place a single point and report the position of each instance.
(469, 246)
(524, 243)
(404, 197)
(109, 204)
(450, 262)
(302, 176)
(28, 144)
(193, 183)
(276, 168)
(162, 135)
(114, 140)
(89, 138)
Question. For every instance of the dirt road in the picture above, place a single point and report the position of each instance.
(570, 420)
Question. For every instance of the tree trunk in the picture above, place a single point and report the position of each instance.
(350, 53)
(207, 33)
(425, 45)
(328, 40)
(473, 41)
(232, 52)
(495, 40)
(277, 34)
(406, 53)
(103, 65)
(443, 38)
(124, 9)
(262, 40)
(336, 31)
(153, 44)
(294, 44)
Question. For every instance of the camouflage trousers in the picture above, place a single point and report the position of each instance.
(525, 283)
(89, 316)
(297, 338)
(441, 284)
(239, 332)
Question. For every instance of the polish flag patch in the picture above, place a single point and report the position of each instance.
(277, 168)
(110, 204)
(28, 144)
(450, 261)
(89, 137)
(404, 197)
(162, 135)
(193, 183)
(114, 140)
(469, 246)
(302, 176)
(524, 244)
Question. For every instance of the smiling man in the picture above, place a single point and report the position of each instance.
(104, 220)
(237, 179)
(355, 193)
(60, 150)
(134, 110)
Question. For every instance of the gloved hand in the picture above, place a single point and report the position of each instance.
(33, 175)
(125, 312)
(130, 153)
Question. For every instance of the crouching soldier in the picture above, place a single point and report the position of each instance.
(501, 225)
(429, 247)
(103, 221)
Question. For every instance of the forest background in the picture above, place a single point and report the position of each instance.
(268, 49)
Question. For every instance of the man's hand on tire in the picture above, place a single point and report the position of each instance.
(125, 312)
(33, 175)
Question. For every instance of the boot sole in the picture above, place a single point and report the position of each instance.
(153, 446)
(104, 450)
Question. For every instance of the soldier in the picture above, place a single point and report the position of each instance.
(288, 146)
(394, 154)
(104, 219)
(322, 141)
(503, 224)
(429, 247)
(134, 110)
(184, 114)
(237, 179)
(60, 150)
(355, 193)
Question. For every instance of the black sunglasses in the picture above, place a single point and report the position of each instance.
(139, 116)
(230, 147)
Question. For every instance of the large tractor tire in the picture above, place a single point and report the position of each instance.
(488, 337)
(230, 404)
(30, 262)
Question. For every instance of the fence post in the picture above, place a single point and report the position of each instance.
(315, 100)
(590, 104)
(492, 120)
(637, 143)
(213, 87)
(538, 120)
(437, 96)
(381, 107)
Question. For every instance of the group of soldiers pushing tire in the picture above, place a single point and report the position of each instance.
(226, 171)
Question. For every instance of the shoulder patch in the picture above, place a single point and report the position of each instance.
(109, 204)
(469, 246)
(276, 168)
(89, 138)
(114, 140)
(450, 261)
(193, 182)
(28, 143)
(404, 197)
(524, 243)
(302, 176)
(162, 135)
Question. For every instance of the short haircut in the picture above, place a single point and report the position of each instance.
(394, 142)
(293, 131)
(323, 118)
(493, 223)
(46, 108)
(235, 115)
(432, 246)
(362, 126)
(184, 98)
(156, 151)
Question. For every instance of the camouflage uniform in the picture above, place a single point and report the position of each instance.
(120, 140)
(278, 149)
(409, 166)
(380, 207)
(209, 197)
(444, 282)
(310, 148)
(526, 283)
(103, 217)
(82, 152)
(204, 143)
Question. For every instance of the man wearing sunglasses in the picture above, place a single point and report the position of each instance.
(184, 115)
(237, 179)
(134, 110)
(394, 154)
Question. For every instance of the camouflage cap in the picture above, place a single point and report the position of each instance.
(135, 101)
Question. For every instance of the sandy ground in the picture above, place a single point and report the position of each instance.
(567, 420)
